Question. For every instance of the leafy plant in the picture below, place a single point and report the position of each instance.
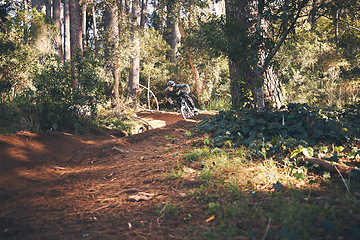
(168, 137)
(299, 122)
(308, 152)
(188, 133)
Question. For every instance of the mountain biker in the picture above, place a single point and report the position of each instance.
(174, 91)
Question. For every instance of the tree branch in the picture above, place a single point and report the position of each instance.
(271, 55)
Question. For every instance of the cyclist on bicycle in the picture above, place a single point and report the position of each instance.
(174, 92)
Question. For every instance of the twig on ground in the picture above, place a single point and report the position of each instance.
(267, 229)
(162, 213)
(342, 178)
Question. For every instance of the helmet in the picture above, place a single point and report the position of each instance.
(171, 83)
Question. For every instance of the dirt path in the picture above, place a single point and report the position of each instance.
(63, 186)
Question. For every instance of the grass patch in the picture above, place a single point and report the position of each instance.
(256, 197)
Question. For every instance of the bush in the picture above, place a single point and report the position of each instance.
(299, 121)
(60, 106)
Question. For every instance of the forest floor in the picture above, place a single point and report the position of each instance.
(56, 185)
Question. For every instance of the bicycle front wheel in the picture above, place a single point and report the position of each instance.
(186, 112)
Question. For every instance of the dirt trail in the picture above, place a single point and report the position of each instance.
(63, 186)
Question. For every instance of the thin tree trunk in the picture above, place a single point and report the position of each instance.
(272, 89)
(112, 30)
(95, 27)
(134, 75)
(143, 13)
(75, 35)
(84, 6)
(75, 28)
(48, 7)
(175, 40)
(67, 48)
(194, 70)
(57, 20)
(162, 15)
(25, 2)
(122, 11)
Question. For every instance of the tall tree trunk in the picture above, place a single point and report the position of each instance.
(272, 92)
(95, 27)
(111, 26)
(122, 11)
(48, 7)
(75, 28)
(239, 59)
(134, 75)
(83, 8)
(75, 35)
(26, 6)
(250, 73)
(67, 48)
(143, 13)
(194, 70)
(57, 20)
(162, 15)
(175, 40)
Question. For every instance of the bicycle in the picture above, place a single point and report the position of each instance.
(185, 109)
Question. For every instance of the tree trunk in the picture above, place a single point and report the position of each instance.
(175, 40)
(249, 72)
(25, 2)
(75, 28)
(75, 35)
(134, 76)
(95, 28)
(143, 13)
(272, 89)
(84, 6)
(67, 48)
(122, 11)
(112, 31)
(162, 15)
(57, 20)
(48, 7)
(194, 70)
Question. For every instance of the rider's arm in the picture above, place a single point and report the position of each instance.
(168, 97)
(184, 86)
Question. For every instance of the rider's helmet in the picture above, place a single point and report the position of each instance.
(171, 83)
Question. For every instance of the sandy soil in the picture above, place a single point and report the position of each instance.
(61, 186)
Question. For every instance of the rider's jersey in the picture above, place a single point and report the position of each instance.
(172, 95)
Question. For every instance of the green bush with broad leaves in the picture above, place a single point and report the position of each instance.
(298, 122)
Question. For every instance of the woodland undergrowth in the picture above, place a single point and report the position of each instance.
(256, 179)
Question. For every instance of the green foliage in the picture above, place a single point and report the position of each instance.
(196, 155)
(318, 69)
(52, 103)
(228, 197)
(113, 121)
(60, 105)
(299, 121)
(308, 152)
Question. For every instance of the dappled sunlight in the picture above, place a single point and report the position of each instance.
(21, 147)
(167, 177)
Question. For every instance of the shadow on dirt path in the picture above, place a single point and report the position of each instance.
(63, 186)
